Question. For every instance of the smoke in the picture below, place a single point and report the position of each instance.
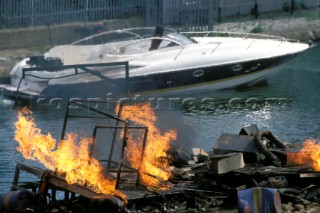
(186, 134)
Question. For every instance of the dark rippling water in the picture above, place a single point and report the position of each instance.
(288, 105)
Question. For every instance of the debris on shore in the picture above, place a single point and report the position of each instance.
(250, 170)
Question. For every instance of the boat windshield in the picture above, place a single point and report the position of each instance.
(144, 45)
(181, 39)
(125, 35)
(107, 37)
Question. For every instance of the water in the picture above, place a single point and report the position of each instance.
(288, 106)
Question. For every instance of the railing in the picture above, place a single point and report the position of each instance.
(234, 34)
(237, 34)
(85, 68)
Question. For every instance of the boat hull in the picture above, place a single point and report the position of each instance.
(209, 78)
(194, 80)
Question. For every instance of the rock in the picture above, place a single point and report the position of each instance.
(298, 207)
(287, 207)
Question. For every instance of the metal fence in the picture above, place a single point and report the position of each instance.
(25, 13)
(203, 14)
(196, 14)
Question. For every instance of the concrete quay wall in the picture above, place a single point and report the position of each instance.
(59, 34)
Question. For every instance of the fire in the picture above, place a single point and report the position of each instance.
(154, 161)
(69, 158)
(308, 155)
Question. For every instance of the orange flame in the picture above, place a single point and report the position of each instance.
(308, 155)
(69, 158)
(154, 160)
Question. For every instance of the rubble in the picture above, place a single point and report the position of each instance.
(224, 163)
(252, 162)
(265, 166)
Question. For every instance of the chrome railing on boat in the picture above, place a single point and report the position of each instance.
(237, 35)
(243, 35)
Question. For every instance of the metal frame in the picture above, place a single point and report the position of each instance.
(120, 165)
(125, 128)
(50, 183)
(87, 68)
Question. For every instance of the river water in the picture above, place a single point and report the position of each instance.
(288, 105)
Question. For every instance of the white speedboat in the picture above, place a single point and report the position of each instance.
(156, 61)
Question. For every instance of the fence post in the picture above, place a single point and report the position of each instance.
(210, 16)
(219, 11)
(292, 6)
(87, 10)
(148, 12)
(256, 11)
(32, 13)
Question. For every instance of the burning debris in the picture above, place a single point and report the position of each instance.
(156, 147)
(165, 178)
(70, 158)
(308, 155)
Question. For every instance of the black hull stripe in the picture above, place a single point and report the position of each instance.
(194, 77)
